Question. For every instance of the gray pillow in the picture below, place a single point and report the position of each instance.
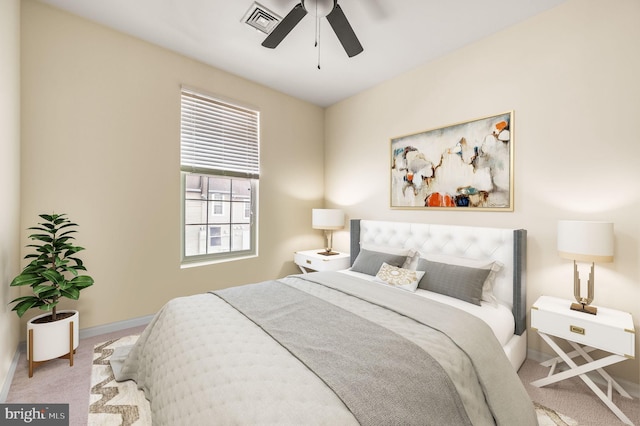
(369, 262)
(461, 282)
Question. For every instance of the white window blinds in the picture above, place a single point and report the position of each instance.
(217, 137)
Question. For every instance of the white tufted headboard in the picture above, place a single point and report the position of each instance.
(505, 245)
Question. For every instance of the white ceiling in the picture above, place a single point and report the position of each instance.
(396, 35)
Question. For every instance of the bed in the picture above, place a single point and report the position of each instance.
(443, 242)
(385, 342)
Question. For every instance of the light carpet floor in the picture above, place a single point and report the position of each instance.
(113, 403)
(56, 382)
(574, 398)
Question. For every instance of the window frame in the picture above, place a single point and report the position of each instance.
(251, 177)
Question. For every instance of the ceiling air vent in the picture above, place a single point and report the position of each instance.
(261, 18)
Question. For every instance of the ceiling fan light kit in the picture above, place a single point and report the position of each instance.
(320, 9)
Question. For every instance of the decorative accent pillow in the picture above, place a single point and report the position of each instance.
(369, 262)
(493, 266)
(461, 282)
(394, 276)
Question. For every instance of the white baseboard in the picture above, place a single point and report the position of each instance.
(114, 326)
(84, 333)
(631, 387)
(12, 369)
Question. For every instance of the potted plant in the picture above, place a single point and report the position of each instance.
(53, 273)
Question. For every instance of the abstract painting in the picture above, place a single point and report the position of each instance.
(464, 166)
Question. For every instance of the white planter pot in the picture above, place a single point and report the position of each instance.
(51, 340)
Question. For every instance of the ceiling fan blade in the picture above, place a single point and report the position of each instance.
(343, 30)
(285, 26)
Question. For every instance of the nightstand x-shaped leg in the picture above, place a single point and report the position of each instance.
(580, 371)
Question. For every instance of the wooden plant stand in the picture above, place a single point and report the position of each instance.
(33, 364)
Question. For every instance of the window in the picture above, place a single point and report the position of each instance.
(217, 207)
(219, 162)
(215, 240)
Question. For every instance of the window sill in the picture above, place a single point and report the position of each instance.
(195, 264)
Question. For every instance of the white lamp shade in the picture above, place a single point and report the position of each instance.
(327, 219)
(585, 241)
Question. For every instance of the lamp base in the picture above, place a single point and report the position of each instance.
(587, 309)
(328, 253)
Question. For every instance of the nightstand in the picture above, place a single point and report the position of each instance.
(310, 260)
(610, 330)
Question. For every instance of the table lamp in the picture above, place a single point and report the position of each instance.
(328, 220)
(585, 241)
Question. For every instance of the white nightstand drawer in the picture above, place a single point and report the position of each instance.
(310, 259)
(609, 330)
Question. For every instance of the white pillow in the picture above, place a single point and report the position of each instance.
(385, 249)
(487, 287)
(411, 262)
(401, 278)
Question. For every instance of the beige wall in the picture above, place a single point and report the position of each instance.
(571, 76)
(100, 141)
(100, 120)
(9, 178)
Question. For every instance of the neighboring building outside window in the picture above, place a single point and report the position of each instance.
(220, 171)
(217, 206)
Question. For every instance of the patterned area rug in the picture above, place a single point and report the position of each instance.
(110, 402)
(113, 403)
(549, 417)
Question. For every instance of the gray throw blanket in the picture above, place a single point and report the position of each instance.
(504, 392)
(381, 377)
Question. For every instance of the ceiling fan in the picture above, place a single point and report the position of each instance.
(319, 8)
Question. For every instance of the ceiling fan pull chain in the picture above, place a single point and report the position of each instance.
(317, 26)
(317, 32)
(318, 37)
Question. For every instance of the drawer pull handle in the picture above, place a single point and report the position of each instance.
(308, 261)
(577, 330)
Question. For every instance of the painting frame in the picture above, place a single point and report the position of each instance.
(464, 166)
